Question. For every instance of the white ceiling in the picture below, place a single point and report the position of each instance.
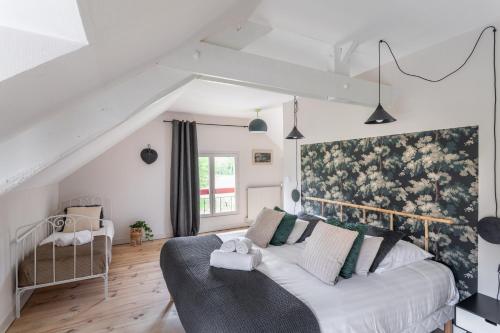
(124, 36)
(225, 100)
(127, 38)
(321, 24)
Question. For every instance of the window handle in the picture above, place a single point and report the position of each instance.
(490, 322)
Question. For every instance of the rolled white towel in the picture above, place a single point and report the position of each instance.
(234, 260)
(69, 238)
(243, 245)
(63, 238)
(229, 245)
(83, 237)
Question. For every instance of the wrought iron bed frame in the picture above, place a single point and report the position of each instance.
(29, 237)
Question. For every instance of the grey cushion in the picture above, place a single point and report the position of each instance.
(266, 223)
(326, 251)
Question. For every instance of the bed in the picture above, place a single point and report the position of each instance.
(425, 292)
(40, 263)
(417, 298)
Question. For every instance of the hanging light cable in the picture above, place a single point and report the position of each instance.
(379, 116)
(488, 227)
(295, 133)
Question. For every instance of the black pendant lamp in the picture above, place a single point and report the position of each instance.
(295, 133)
(489, 227)
(379, 116)
(257, 125)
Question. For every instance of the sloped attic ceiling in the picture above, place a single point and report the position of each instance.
(123, 35)
(67, 111)
(52, 111)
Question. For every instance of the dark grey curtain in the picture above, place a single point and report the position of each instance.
(184, 181)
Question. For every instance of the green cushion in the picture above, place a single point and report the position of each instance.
(284, 229)
(352, 258)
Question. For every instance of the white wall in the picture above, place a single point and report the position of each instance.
(462, 100)
(19, 208)
(140, 191)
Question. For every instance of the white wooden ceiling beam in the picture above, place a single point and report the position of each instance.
(223, 64)
(85, 128)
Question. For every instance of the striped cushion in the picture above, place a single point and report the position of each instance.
(326, 251)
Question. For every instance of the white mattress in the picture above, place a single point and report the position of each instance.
(414, 298)
(108, 229)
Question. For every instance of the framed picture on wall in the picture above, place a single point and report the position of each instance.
(262, 157)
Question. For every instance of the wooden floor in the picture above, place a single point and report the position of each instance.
(138, 299)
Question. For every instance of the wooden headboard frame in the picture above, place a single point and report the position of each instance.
(426, 220)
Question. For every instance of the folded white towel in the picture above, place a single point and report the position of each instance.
(229, 245)
(243, 245)
(234, 260)
(68, 238)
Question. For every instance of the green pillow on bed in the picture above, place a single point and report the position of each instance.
(284, 228)
(352, 258)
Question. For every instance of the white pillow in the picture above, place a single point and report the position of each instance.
(297, 231)
(326, 251)
(402, 254)
(367, 254)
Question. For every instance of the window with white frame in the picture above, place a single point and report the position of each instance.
(218, 184)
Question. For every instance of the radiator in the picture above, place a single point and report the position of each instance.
(260, 197)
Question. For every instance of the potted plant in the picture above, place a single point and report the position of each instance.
(137, 230)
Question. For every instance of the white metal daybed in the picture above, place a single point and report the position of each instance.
(40, 263)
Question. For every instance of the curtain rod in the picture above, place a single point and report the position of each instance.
(210, 124)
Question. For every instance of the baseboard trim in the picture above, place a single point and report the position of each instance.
(7, 321)
(11, 316)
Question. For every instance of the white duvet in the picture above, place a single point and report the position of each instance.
(415, 298)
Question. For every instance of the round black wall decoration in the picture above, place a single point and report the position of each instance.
(149, 155)
(489, 229)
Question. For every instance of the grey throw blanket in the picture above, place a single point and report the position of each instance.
(212, 299)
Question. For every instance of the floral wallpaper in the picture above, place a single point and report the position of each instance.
(425, 173)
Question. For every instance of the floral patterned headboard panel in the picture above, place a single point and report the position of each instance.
(426, 173)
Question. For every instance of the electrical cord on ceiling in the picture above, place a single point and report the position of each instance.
(453, 72)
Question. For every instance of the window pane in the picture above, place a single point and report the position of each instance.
(204, 174)
(225, 184)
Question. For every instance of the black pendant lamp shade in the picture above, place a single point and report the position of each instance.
(295, 133)
(379, 116)
(257, 125)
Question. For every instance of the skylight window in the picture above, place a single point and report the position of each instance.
(33, 32)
